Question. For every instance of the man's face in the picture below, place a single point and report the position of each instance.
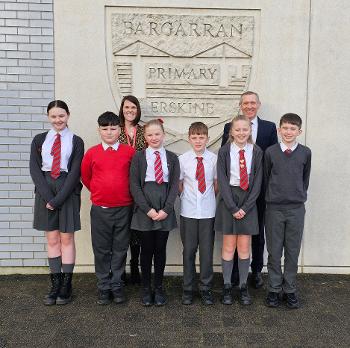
(250, 106)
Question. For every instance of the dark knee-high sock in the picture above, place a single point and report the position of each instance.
(243, 266)
(67, 268)
(227, 270)
(55, 264)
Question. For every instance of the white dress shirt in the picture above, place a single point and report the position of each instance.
(254, 123)
(194, 204)
(284, 147)
(150, 158)
(66, 149)
(234, 153)
(114, 146)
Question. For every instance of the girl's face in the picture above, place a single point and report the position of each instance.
(240, 131)
(58, 118)
(129, 111)
(154, 136)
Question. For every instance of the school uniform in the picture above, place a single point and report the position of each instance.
(105, 173)
(62, 193)
(148, 194)
(232, 197)
(287, 180)
(197, 213)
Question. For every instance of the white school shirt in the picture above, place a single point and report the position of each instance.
(194, 204)
(254, 123)
(114, 146)
(66, 149)
(151, 158)
(234, 154)
(284, 147)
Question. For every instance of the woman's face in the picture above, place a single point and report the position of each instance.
(58, 118)
(129, 111)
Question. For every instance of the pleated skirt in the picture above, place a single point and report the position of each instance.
(227, 224)
(156, 196)
(65, 218)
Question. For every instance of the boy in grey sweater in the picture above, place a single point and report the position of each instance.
(287, 167)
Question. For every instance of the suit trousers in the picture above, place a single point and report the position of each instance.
(197, 233)
(284, 231)
(110, 235)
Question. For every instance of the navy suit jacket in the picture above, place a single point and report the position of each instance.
(267, 134)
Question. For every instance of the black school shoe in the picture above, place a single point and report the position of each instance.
(292, 300)
(65, 294)
(51, 297)
(257, 280)
(146, 297)
(244, 297)
(104, 297)
(207, 297)
(187, 297)
(227, 295)
(119, 295)
(272, 299)
(160, 298)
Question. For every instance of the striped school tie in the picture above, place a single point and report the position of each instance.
(288, 152)
(200, 176)
(158, 170)
(243, 182)
(56, 160)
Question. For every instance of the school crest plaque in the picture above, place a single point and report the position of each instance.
(184, 65)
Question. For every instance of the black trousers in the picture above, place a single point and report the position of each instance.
(258, 243)
(110, 235)
(153, 247)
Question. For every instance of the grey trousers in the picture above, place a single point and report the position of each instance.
(110, 235)
(284, 230)
(197, 233)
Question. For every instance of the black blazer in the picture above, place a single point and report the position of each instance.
(267, 134)
(255, 178)
(137, 180)
(72, 181)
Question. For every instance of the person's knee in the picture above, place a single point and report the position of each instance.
(67, 239)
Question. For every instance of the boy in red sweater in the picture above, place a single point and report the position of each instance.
(105, 173)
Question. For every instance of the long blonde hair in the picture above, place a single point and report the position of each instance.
(241, 118)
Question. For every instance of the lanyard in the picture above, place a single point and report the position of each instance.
(128, 138)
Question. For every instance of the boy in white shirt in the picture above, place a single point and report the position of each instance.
(198, 186)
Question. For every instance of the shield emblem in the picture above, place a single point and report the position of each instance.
(183, 65)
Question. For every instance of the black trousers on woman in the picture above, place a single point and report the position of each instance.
(153, 247)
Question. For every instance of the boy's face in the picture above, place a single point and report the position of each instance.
(198, 142)
(109, 134)
(289, 133)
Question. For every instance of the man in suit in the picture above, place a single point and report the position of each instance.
(264, 135)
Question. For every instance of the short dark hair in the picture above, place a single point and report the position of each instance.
(292, 119)
(198, 128)
(57, 104)
(249, 93)
(135, 101)
(108, 118)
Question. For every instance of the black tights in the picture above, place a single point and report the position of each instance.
(153, 245)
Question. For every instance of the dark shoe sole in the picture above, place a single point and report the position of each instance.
(119, 300)
(245, 302)
(160, 304)
(272, 304)
(293, 306)
(187, 302)
(63, 301)
(227, 303)
(104, 302)
(49, 303)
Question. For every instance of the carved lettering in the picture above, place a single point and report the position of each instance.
(183, 108)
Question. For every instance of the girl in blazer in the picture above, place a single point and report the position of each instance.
(239, 171)
(154, 179)
(55, 160)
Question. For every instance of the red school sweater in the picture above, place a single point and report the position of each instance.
(106, 175)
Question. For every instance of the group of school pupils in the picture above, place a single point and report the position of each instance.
(134, 181)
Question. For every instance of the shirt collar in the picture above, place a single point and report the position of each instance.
(236, 149)
(114, 146)
(151, 151)
(63, 132)
(284, 147)
(254, 121)
(204, 154)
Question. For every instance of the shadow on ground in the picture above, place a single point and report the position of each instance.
(322, 321)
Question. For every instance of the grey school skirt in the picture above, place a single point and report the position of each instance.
(156, 196)
(65, 218)
(227, 224)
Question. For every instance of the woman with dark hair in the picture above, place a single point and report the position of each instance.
(55, 160)
(132, 134)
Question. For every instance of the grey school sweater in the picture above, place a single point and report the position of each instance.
(286, 177)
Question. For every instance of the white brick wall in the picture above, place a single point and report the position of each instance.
(26, 87)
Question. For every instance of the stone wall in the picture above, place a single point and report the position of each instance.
(26, 87)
